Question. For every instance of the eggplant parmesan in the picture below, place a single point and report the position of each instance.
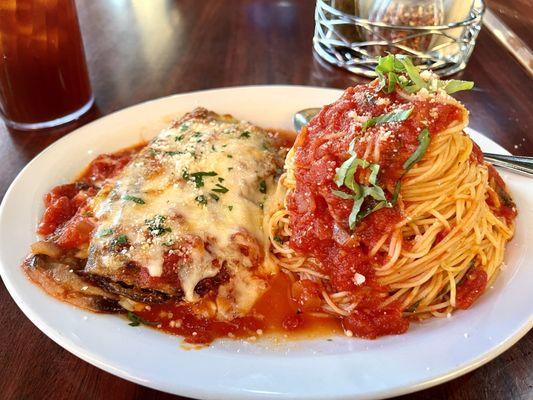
(176, 220)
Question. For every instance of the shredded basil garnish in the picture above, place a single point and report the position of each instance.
(393, 70)
(393, 116)
(423, 143)
(136, 320)
(135, 199)
(345, 177)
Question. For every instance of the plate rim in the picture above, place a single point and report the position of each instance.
(230, 393)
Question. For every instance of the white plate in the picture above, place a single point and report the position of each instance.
(426, 355)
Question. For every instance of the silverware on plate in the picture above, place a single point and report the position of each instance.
(520, 164)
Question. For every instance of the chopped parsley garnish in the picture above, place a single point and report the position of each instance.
(214, 196)
(135, 199)
(201, 199)
(168, 244)
(173, 153)
(278, 239)
(213, 147)
(230, 208)
(245, 134)
(229, 156)
(220, 179)
(220, 189)
(179, 138)
(184, 127)
(105, 232)
(136, 320)
(197, 134)
(262, 187)
(119, 241)
(198, 177)
(156, 227)
(393, 116)
(399, 70)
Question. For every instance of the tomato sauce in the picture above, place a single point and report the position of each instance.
(470, 288)
(66, 220)
(319, 219)
(277, 311)
(505, 207)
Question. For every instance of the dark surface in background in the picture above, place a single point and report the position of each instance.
(142, 50)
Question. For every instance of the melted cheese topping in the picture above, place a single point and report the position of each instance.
(202, 179)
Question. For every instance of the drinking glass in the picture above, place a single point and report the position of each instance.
(43, 73)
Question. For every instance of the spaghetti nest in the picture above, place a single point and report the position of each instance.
(450, 234)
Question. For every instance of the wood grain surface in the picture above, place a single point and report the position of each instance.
(144, 49)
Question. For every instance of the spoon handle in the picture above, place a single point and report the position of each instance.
(520, 164)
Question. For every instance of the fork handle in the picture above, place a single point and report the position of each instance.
(520, 164)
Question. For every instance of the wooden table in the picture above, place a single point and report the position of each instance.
(147, 49)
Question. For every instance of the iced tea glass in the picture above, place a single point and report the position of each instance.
(43, 73)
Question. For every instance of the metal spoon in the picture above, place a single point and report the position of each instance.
(520, 164)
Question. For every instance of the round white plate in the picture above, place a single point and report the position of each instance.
(428, 354)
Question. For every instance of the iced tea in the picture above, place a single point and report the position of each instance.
(43, 74)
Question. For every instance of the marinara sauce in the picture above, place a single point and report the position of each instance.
(66, 218)
(319, 219)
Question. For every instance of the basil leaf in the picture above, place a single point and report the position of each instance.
(352, 219)
(423, 143)
(351, 148)
(396, 191)
(340, 173)
(374, 168)
(386, 64)
(375, 192)
(370, 210)
(393, 78)
(393, 116)
(136, 320)
(412, 71)
(455, 85)
(342, 195)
